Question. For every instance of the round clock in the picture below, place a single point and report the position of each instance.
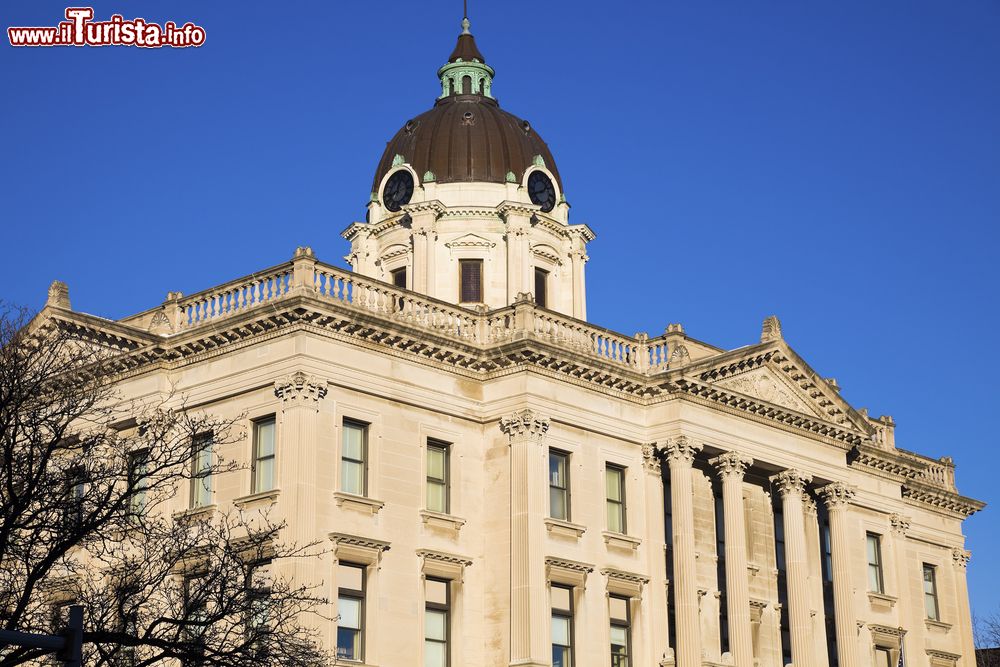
(398, 190)
(541, 191)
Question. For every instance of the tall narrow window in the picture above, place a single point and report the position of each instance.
(471, 280)
(259, 595)
(350, 611)
(930, 593)
(437, 476)
(138, 480)
(195, 593)
(399, 277)
(558, 485)
(541, 287)
(621, 631)
(874, 548)
(201, 470)
(562, 626)
(262, 474)
(883, 658)
(437, 630)
(614, 483)
(76, 489)
(354, 459)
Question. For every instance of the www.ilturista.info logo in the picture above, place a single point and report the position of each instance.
(81, 30)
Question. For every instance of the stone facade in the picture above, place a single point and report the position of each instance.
(575, 488)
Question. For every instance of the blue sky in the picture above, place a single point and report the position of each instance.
(835, 164)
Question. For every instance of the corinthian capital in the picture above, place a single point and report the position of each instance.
(680, 450)
(961, 557)
(791, 482)
(837, 495)
(650, 458)
(524, 423)
(300, 387)
(731, 464)
(900, 524)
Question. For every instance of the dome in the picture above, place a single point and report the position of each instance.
(466, 136)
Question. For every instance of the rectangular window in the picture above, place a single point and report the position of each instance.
(883, 658)
(354, 459)
(201, 470)
(558, 485)
(76, 489)
(614, 477)
(138, 480)
(541, 287)
(437, 626)
(930, 593)
(259, 595)
(262, 475)
(350, 611)
(399, 277)
(437, 476)
(562, 626)
(471, 280)
(621, 631)
(874, 548)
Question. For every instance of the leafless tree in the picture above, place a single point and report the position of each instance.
(84, 481)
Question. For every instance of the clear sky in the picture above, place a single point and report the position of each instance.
(836, 164)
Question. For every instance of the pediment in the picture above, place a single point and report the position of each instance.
(470, 241)
(767, 385)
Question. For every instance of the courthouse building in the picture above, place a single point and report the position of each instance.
(502, 483)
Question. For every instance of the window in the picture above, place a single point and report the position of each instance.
(558, 485)
(354, 459)
(930, 593)
(195, 593)
(541, 287)
(259, 595)
(350, 611)
(436, 623)
(562, 626)
(201, 470)
(437, 476)
(621, 631)
(399, 277)
(138, 469)
(76, 489)
(875, 582)
(614, 477)
(471, 280)
(262, 474)
(883, 658)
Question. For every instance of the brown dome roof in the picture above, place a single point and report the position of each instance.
(466, 137)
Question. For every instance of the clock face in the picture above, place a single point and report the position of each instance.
(541, 191)
(398, 190)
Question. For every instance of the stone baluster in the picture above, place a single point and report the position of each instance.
(731, 468)
(530, 626)
(792, 485)
(680, 455)
(837, 498)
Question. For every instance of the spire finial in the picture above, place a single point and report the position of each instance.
(465, 26)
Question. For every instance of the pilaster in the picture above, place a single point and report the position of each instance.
(960, 560)
(657, 629)
(529, 613)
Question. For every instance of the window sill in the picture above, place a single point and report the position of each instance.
(881, 600)
(441, 520)
(564, 528)
(193, 512)
(621, 540)
(937, 625)
(258, 499)
(358, 503)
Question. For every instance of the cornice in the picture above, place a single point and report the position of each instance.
(940, 499)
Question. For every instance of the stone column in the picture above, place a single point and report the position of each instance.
(529, 614)
(817, 610)
(680, 455)
(960, 558)
(731, 467)
(792, 486)
(837, 497)
(657, 626)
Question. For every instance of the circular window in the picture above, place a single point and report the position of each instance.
(541, 191)
(398, 190)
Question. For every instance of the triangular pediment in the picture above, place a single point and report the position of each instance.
(772, 373)
(767, 385)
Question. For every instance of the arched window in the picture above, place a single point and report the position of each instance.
(466, 85)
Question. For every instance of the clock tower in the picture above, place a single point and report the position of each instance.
(467, 205)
